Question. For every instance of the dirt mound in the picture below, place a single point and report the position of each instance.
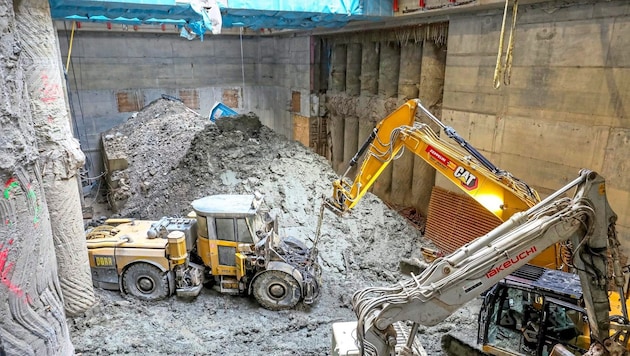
(239, 155)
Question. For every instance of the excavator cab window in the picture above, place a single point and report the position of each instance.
(564, 324)
(513, 319)
(523, 322)
(233, 230)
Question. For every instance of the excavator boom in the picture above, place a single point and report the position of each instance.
(451, 281)
(497, 190)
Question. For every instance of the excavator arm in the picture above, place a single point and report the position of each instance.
(497, 190)
(451, 281)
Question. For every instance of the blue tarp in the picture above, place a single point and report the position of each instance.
(254, 14)
(345, 7)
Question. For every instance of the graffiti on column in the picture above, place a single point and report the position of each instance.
(15, 186)
(50, 91)
(5, 270)
(17, 189)
(7, 210)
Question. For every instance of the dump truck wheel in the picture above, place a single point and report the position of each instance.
(276, 290)
(145, 282)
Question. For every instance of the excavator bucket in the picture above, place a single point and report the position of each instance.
(334, 207)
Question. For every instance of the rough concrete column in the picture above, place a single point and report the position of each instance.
(365, 127)
(423, 182)
(410, 64)
(60, 154)
(389, 69)
(338, 68)
(351, 142)
(337, 137)
(402, 179)
(432, 76)
(369, 68)
(431, 89)
(408, 83)
(353, 69)
(32, 317)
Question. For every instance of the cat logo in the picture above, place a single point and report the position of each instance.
(469, 180)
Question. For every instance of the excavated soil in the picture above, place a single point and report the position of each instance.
(175, 156)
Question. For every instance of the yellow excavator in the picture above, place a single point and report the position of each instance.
(497, 190)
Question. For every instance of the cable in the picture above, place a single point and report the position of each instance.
(505, 69)
(88, 162)
(70, 45)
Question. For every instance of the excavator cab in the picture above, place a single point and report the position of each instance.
(531, 311)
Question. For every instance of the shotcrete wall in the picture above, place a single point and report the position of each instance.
(568, 102)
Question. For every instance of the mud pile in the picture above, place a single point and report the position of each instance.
(175, 158)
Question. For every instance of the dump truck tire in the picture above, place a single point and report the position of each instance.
(276, 290)
(145, 282)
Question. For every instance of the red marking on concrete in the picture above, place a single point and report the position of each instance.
(50, 91)
(5, 269)
(8, 183)
(8, 186)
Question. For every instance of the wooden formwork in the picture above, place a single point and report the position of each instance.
(311, 132)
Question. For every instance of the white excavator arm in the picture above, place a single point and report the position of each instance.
(586, 220)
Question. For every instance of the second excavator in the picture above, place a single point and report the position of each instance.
(586, 220)
(497, 190)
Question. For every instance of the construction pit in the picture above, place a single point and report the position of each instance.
(167, 156)
(72, 83)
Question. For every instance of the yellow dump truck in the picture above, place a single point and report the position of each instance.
(230, 241)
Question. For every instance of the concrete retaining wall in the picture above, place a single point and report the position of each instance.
(113, 74)
(568, 101)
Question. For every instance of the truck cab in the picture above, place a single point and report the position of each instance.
(229, 228)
